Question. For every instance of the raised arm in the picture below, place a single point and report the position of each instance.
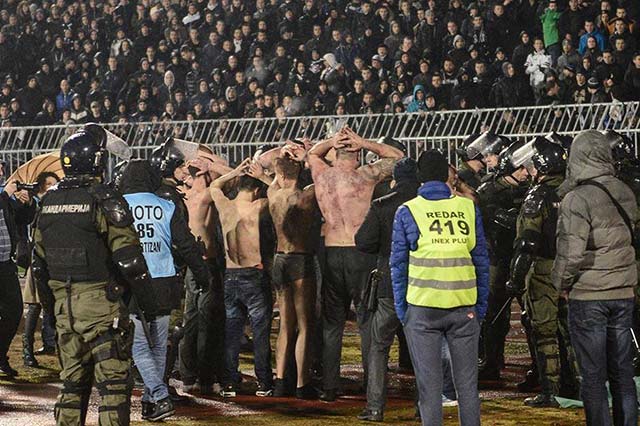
(257, 172)
(316, 157)
(240, 170)
(389, 156)
(267, 158)
(215, 190)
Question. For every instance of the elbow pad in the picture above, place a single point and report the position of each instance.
(525, 249)
(132, 266)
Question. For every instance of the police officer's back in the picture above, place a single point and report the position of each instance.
(84, 236)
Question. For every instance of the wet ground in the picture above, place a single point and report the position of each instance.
(28, 401)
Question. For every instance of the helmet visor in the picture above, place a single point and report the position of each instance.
(523, 156)
(484, 145)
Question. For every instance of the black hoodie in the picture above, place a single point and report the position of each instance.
(140, 176)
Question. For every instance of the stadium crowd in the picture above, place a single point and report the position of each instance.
(74, 62)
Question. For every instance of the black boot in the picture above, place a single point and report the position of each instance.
(30, 323)
(6, 369)
(530, 383)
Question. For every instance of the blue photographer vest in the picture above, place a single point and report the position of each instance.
(152, 220)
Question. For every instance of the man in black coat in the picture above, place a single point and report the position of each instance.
(374, 237)
(16, 210)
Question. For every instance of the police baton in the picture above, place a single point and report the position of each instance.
(145, 325)
(507, 303)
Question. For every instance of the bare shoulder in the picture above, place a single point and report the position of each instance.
(379, 170)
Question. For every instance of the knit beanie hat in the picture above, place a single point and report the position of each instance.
(433, 165)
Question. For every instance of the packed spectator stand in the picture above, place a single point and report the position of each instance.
(74, 62)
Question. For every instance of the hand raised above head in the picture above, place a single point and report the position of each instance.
(255, 170)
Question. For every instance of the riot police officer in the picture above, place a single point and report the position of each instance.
(84, 234)
(477, 154)
(499, 198)
(627, 165)
(534, 252)
(168, 159)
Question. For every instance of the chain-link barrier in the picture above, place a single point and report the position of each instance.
(236, 139)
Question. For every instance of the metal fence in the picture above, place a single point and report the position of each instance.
(235, 139)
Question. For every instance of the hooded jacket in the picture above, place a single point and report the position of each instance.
(405, 239)
(141, 178)
(417, 105)
(595, 258)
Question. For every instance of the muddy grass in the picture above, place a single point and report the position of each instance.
(501, 404)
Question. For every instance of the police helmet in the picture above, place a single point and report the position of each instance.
(116, 174)
(487, 143)
(622, 147)
(564, 140)
(549, 157)
(461, 151)
(84, 153)
(505, 165)
(167, 158)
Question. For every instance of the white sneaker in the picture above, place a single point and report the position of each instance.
(446, 402)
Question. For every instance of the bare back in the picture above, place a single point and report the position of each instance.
(293, 214)
(240, 221)
(202, 219)
(344, 197)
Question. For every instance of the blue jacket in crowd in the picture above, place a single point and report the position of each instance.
(405, 239)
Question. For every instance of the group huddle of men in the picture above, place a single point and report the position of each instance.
(300, 217)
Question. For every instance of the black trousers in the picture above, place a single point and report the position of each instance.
(202, 347)
(345, 277)
(10, 305)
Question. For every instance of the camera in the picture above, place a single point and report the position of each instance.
(31, 187)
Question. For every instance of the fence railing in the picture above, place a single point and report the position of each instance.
(237, 138)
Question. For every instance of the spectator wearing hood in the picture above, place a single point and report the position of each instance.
(46, 116)
(521, 52)
(511, 91)
(595, 271)
(418, 101)
(170, 233)
(459, 54)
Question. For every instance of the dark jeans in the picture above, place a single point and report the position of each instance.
(426, 330)
(246, 293)
(201, 348)
(10, 305)
(601, 337)
(345, 276)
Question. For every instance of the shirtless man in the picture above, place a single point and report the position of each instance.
(201, 349)
(293, 274)
(245, 288)
(344, 191)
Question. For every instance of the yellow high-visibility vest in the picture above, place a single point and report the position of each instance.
(441, 271)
